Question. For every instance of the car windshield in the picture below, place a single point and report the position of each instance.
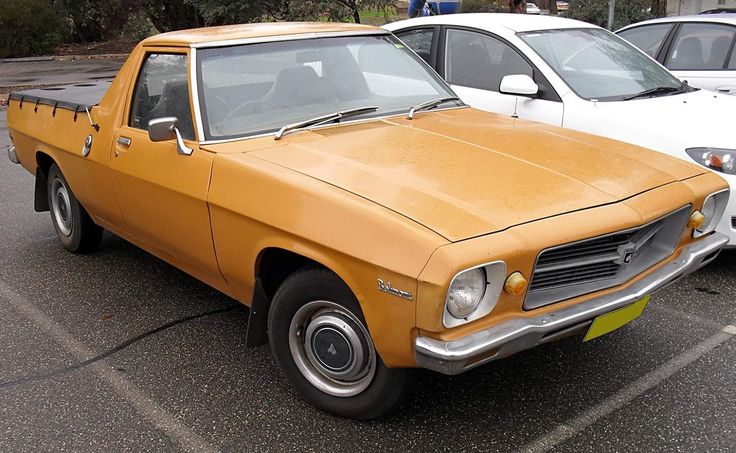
(255, 89)
(597, 64)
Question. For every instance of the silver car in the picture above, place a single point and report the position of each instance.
(699, 49)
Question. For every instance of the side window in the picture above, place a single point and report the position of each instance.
(162, 90)
(648, 38)
(420, 41)
(732, 63)
(479, 61)
(701, 47)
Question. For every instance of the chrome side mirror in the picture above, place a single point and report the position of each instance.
(167, 128)
(519, 85)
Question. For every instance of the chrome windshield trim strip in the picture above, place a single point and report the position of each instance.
(195, 95)
(346, 123)
(294, 37)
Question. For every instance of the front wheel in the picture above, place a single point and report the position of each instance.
(74, 227)
(319, 339)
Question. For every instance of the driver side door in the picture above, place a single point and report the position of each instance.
(474, 64)
(161, 193)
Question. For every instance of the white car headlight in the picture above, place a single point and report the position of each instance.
(713, 208)
(719, 159)
(473, 293)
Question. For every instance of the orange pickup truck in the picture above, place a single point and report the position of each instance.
(325, 176)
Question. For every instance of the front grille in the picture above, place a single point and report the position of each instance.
(593, 264)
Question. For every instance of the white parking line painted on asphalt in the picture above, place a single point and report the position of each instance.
(570, 428)
(150, 410)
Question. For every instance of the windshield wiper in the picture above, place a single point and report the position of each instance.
(658, 91)
(428, 105)
(337, 116)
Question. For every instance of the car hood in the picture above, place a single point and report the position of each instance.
(669, 124)
(464, 173)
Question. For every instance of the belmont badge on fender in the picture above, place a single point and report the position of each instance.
(387, 288)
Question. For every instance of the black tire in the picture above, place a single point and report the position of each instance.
(386, 388)
(74, 227)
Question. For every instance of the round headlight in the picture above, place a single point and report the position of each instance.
(466, 292)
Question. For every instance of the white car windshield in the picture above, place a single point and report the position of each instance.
(597, 64)
(254, 89)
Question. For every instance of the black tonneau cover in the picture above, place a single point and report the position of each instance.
(75, 97)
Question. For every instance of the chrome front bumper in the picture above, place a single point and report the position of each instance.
(12, 156)
(510, 337)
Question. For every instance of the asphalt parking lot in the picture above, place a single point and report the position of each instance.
(57, 71)
(120, 351)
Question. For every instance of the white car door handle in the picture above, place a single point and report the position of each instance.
(726, 89)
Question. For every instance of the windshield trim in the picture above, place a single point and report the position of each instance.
(194, 76)
(194, 83)
(616, 98)
(371, 119)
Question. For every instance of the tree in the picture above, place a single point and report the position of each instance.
(29, 27)
(659, 8)
(552, 7)
(168, 15)
(95, 20)
(596, 11)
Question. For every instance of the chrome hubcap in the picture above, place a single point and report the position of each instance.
(332, 349)
(62, 208)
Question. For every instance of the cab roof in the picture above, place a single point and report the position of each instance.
(493, 22)
(195, 36)
(722, 18)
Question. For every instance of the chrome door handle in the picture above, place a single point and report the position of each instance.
(124, 141)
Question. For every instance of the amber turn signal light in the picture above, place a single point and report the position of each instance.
(696, 220)
(515, 284)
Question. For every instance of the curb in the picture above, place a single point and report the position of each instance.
(106, 56)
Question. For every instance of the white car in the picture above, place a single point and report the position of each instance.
(532, 8)
(698, 49)
(579, 76)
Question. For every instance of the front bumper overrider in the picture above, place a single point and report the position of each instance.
(510, 337)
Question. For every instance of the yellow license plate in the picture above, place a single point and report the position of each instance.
(615, 319)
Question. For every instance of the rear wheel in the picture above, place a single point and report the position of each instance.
(320, 340)
(74, 227)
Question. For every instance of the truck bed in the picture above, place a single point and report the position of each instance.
(76, 97)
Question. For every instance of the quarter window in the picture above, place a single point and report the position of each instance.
(420, 41)
(162, 90)
(479, 61)
(701, 47)
(648, 38)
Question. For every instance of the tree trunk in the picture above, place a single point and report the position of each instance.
(356, 14)
(659, 8)
(552, 7)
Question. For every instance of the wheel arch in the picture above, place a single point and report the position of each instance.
(273, 266)
(44, 161)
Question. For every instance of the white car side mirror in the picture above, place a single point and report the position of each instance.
(519, 85)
